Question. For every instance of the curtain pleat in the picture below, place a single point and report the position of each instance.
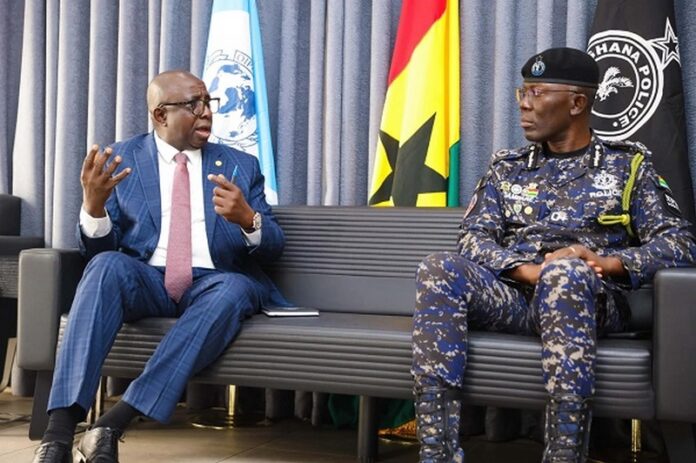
(10, 34)
(50, 122)
(28, 160)
(154, 27)
(354, 116)
(102, 66)
(333, 102)
(291, 142)
(71, 119)
(315, 105)
(579, 21)
(477, 41)
(385, 17)
(175, 35)
(132, 75)
(200, 21)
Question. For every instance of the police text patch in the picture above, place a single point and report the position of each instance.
(670, 203)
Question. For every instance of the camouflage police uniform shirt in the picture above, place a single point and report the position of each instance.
(526, 205)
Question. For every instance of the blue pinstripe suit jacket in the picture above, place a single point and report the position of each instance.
(135, 210)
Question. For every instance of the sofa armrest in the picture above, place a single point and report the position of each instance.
(674, 344)
(10, 209)
(47, 282)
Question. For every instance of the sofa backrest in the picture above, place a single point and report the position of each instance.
(363, 259)
(359, 259)
(10, 208)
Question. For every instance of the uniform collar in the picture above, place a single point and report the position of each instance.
(594, 153)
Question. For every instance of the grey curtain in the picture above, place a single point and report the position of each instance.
(74, 73)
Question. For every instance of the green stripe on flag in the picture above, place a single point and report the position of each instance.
(453, 180)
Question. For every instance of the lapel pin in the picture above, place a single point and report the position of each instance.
(218, 163)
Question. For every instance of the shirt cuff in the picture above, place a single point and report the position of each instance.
(252, 239)
(94, 227)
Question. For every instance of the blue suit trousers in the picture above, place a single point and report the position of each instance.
(116, 288)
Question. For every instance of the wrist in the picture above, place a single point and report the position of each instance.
(523, 273)
(248, 222)
(94, 211)
(254, 222)
(614, 267)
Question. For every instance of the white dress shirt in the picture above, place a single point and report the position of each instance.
(93, 227)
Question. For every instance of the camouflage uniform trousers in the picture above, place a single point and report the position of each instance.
(454, 293)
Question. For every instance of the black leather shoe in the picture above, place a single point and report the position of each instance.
(99, 445)
(53, 452)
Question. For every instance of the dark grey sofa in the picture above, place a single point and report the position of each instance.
(357, 264)
(11, 243)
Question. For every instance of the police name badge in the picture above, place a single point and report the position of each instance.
(671, 203)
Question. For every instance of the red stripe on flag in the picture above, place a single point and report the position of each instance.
(417, 16)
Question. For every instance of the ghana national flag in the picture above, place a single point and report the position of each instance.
(417, 159)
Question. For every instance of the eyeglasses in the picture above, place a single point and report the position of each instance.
(197, 106)
(535, 92)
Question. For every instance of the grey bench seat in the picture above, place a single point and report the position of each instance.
(357, 265)
(371, 355)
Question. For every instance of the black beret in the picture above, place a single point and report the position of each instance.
(562, 66)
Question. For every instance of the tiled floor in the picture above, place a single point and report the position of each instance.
(291, 441)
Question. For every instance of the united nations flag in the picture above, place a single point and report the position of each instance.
(234, 72)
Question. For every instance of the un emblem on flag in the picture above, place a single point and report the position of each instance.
(231, 80)
(632, 83)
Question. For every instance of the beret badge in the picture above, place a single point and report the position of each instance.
(568, 66)
(538, 67)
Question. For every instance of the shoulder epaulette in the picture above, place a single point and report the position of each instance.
(504, 154)
(627, 145)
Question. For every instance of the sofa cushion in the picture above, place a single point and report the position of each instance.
(371, 355)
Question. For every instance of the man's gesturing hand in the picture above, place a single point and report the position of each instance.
(98, 180)
(229, 202)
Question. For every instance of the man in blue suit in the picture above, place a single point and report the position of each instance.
(130, 230)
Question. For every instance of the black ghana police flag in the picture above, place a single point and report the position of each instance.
(640, 94)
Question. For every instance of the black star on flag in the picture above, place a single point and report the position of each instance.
(409, 175)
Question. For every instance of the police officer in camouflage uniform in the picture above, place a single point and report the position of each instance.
(554, 234)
